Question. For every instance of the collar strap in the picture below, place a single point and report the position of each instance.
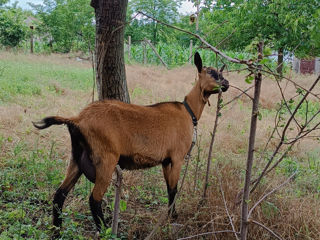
(194, 119)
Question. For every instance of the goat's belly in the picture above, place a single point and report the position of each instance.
(137, 161)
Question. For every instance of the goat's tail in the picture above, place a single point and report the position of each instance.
(54, 120)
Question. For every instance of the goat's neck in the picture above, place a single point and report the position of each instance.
(195, 100)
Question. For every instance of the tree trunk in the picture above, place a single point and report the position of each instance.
(280, 61)
(110, 67)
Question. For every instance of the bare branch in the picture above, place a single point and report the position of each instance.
(242, 92)
(211, 146)
(269, 193)
(266, 228)
(234, 60)
(208, 233)
(227, 211)
(285, 102)
(289, 80)
(257, 181)
(223, 40)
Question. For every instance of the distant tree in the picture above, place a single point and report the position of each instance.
(12, 28)
(164, 10)
(284, 25)
(69, 23)
(3, 2)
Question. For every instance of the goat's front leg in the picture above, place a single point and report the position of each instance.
(104, 171)
(171, 174)
(72, 176)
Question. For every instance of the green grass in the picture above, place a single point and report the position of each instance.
(27, 78)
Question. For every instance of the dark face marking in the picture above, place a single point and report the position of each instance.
(213, 74)
(217, 76)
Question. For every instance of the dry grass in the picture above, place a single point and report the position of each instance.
(292, 216)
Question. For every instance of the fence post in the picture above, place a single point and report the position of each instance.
(116, 210)
(155, 51)
(144, 45)
(190, 52)
(31, 40)
(129, 47)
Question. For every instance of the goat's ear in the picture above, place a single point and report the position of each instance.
(221, 69)
(198, 61)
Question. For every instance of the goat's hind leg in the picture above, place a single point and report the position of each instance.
(171, 172)
(72, 176)
(104, 171)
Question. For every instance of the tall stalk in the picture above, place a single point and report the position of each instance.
(252, 136)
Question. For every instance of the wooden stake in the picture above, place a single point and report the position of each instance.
(144, 52)
(31, 40)
(129, 47)
(155, 51)
(116, 210)
(190, 52)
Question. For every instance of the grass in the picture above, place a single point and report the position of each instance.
(32, 163)
(25, 77)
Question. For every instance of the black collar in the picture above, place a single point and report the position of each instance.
(194, 119)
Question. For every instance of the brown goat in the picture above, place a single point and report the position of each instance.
(111, 132)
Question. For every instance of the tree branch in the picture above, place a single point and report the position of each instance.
(234, 60)
(208, 233)
(266, 228)
(269, 193)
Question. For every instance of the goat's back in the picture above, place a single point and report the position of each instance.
(155, 131)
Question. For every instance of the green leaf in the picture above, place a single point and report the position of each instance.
(249, 79)
(265, 61)
(123, 205)
(267, 51)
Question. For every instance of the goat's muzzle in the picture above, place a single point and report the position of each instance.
(224, 85)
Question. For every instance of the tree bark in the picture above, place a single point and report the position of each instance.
(280, 61)
(110, 67)
(252, 137)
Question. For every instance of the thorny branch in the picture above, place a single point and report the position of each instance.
(282, 140)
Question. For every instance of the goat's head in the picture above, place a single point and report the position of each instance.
(210, 79)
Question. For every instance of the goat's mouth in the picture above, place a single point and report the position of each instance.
(223, 87)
